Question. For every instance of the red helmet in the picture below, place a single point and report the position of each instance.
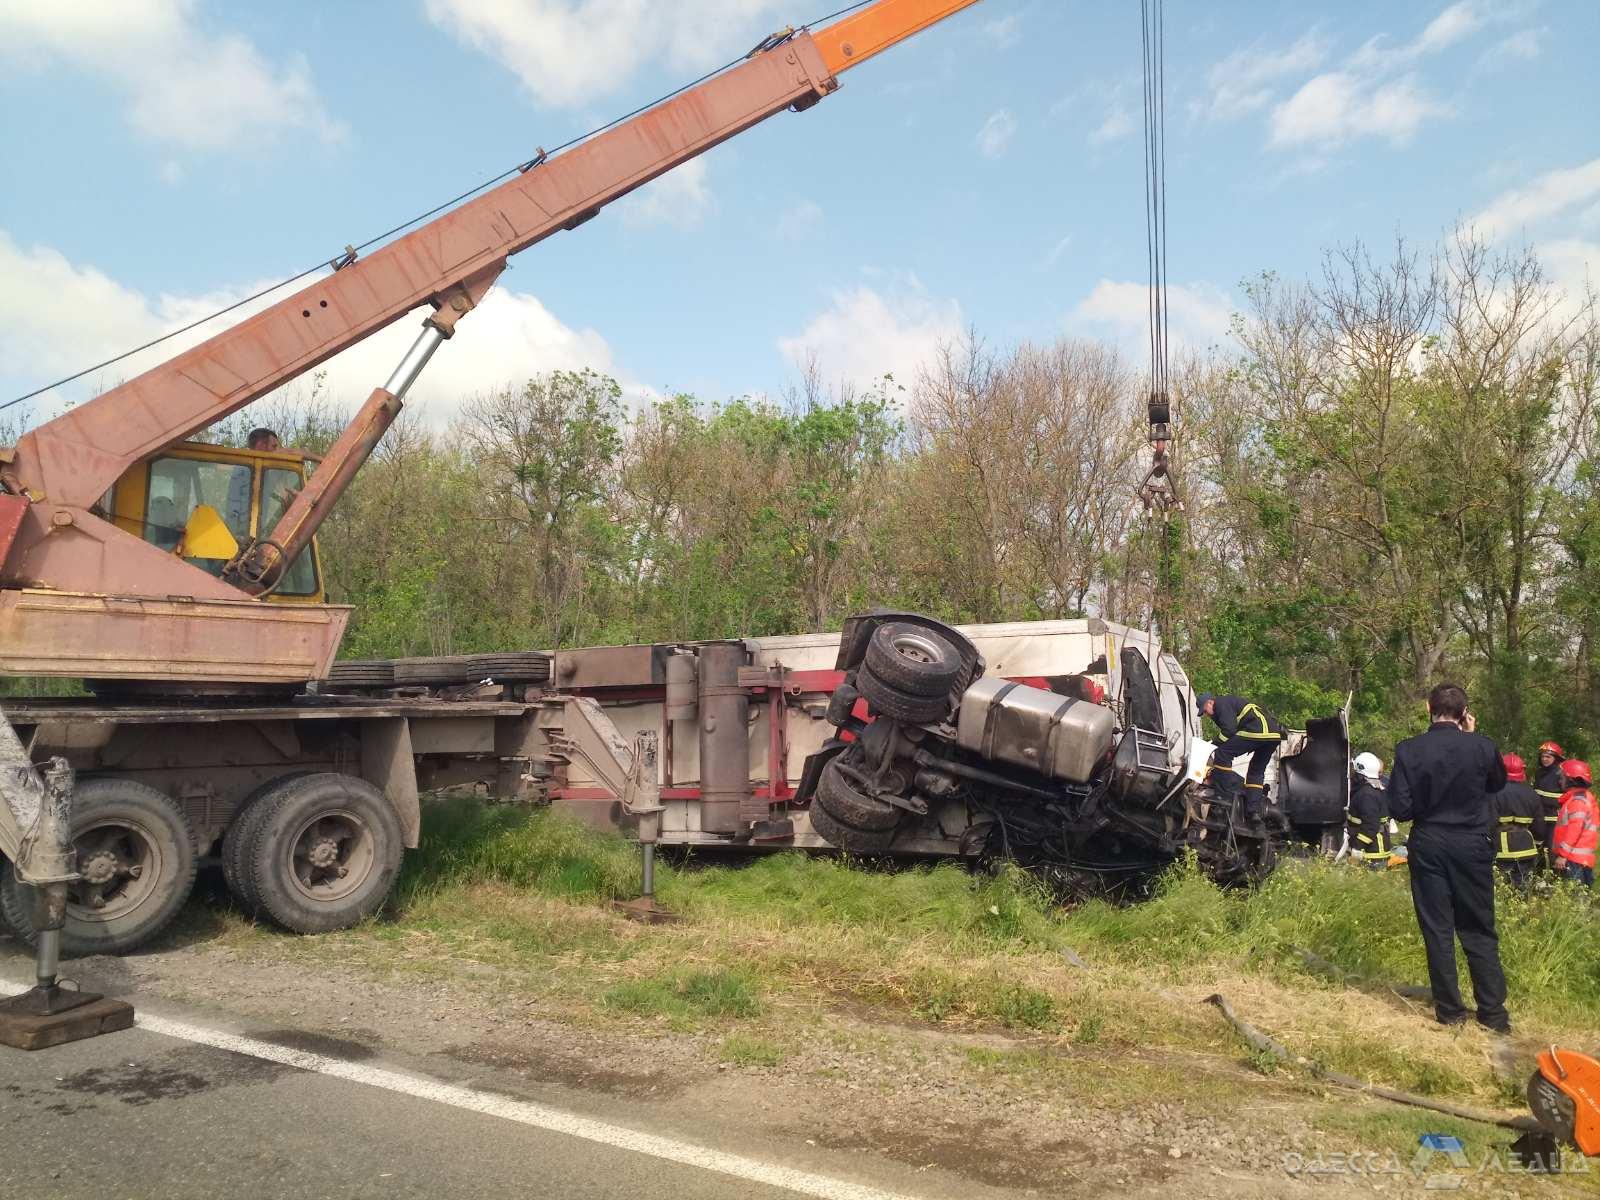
(1575, 771)
(1514, 768)
(1553, 747)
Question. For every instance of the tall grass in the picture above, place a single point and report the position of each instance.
(1361, 921)
(950, 924)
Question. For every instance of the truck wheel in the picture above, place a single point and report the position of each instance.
(848, 837)
(912, 660)
(887, 701)
(324, 852)
(136, 853)
(851, 806)
(240, 836)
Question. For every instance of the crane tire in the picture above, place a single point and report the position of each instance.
(324, 852)
(117, 825)
(240, 836)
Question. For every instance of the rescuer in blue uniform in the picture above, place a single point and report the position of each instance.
(1246, 729)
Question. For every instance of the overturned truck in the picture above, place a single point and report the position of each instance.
(1066, 744)
(1070, 744)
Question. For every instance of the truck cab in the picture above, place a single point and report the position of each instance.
(157, 500)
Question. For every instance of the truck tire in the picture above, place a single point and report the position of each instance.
(136, 851)
(848, 837)
(432, 672)
(886, 701)
(324, 851)
(849, 805)
(240, 836)
(912, 660)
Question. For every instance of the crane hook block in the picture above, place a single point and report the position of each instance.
(1160, 408)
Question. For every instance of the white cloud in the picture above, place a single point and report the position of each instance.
(1574, 267)
(1004, 32)
(1117, 125)
(867, 332)
(1522, 46)
(184, 85)
(1247, 79)
(1549, 195)
(1376, 92)
(995, 136)
(1456, 23)
(1198, 314)
(58, 316)
(568, 53)
(800, 221)
(1339, 106)
(680, 199)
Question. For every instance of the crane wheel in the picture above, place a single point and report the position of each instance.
(137, 858)
(240, 836)
(323, 852)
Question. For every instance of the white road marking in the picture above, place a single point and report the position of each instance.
(538, 1116)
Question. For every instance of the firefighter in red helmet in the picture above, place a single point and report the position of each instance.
(1577, 827)
(1550, 786)
(1519, 828)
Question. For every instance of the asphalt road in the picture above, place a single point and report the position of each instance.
(186, 1105)
(138, 1114)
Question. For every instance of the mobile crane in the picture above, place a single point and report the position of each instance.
(157, 569)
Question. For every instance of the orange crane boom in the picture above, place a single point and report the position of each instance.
(57, 473)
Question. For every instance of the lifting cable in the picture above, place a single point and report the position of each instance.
(1156, 490)
(348, 255)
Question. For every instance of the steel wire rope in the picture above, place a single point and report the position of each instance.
(521, 165)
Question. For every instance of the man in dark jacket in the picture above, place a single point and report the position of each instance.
(1549, 786)
(1246, 729)
(1520, 825)
(1368, 818)
(1442, 781)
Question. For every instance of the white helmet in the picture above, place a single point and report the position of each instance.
(1369, 766)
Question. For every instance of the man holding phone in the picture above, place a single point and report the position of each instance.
(1442, 782)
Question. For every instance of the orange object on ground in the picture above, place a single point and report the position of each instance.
(1573, 1111)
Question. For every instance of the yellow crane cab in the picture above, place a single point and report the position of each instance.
(164, 500)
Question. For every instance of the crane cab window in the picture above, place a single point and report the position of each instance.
(278, 487)
(180, 485)
(248, 489)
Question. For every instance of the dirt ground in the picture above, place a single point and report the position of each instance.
(1034, 1115)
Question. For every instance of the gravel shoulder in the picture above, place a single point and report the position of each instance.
(1005, 1112)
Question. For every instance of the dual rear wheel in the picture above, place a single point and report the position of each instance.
(312, 852)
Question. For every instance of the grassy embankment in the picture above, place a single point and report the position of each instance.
(765, 945)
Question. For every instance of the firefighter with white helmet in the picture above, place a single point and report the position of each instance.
(1368, 815)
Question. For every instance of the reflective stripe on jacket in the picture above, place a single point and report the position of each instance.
(1516, 839)
(1369, 845)
(1237, 717)
(1577, 827)
(1520, 823)
(1368, 820)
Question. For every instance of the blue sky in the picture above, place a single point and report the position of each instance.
(163, 155)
